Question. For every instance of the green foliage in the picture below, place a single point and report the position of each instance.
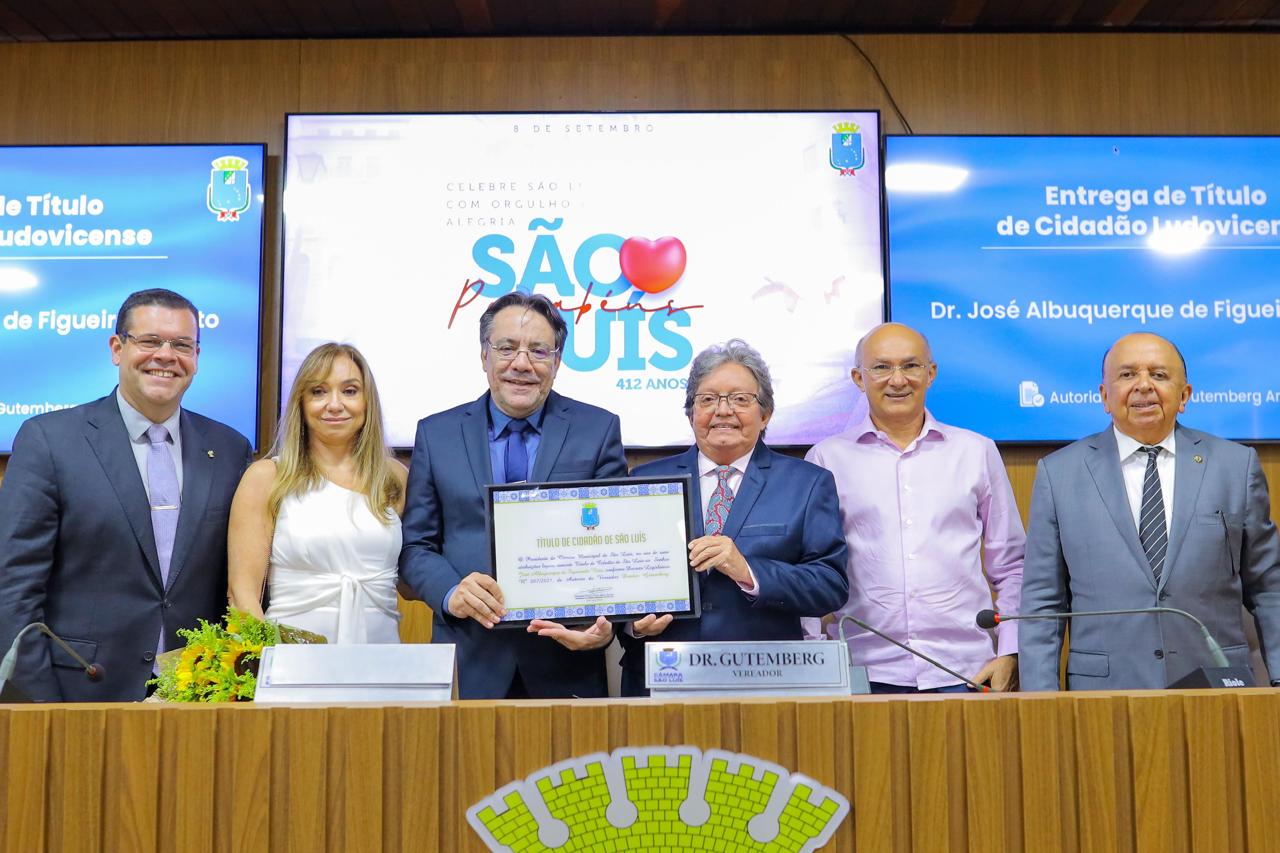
(219, 662)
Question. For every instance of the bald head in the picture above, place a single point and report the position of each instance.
(892, 329)
(1144, 386)
(1141, 336)
(895, 369)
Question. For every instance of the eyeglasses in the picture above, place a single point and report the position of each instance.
(881, 371)
(508, 352)
(155, 343)
(738, 400)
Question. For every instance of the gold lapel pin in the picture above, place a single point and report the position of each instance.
(1198, 458)
(210, 452)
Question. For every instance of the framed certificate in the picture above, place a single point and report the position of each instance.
(574, 551)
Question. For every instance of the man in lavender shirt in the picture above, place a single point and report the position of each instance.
(922, 504)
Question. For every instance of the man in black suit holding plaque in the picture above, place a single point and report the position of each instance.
(517, 430)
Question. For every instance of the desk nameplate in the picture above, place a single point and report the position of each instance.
(787, 667)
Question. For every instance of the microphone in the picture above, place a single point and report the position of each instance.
(981, 688)
(990, 618)
(92, 671)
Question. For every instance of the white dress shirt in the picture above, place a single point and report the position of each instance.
(1133, 465)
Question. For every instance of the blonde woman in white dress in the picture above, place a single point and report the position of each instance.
(326, 509)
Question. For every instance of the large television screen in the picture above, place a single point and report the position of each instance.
(81, 227)
(658, 234)
(1023, 258)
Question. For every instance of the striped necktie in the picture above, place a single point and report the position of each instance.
(1153, 533)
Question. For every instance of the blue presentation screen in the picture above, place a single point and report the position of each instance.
(1023, 258)
(82, 227)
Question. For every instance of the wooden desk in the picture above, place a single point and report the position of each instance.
(1090, 772)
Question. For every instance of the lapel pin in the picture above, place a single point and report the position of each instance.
(1198, 458)
(210, 452)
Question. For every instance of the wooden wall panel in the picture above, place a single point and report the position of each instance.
(184, 800)
(881, 784)
(1260, 755)
(1046, 729)
(413, 766)
(244, 779)
(133, 772)
(298, 783)
(75, 779)
(1137, 771)
(1070, 83)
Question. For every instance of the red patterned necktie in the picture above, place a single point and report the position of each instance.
(721, 501)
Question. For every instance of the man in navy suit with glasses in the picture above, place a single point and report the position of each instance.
(518, 430)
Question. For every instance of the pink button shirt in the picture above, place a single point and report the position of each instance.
(918, 522)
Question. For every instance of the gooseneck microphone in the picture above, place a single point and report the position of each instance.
(981, 688)
(990, 618)
(92, 671)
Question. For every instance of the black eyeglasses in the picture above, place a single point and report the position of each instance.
(507, 351)
(155, 343)
(738, 400)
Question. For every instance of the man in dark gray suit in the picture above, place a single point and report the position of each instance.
(1147, 513)
(113, 516)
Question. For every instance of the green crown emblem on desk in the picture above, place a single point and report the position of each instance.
(660, 798)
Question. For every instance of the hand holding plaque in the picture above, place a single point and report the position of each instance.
(597, 635)
(477, 597)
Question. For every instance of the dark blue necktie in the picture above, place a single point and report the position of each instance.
(517, 459)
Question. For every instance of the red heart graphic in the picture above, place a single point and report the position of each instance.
(652, 266)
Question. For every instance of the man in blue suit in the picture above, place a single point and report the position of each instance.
(1147, 513)
(767, 538)
(518, 430)
(113, 516)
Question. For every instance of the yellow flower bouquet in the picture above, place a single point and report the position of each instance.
(220, 662)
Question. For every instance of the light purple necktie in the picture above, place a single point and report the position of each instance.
(166, 499)
(721, 502)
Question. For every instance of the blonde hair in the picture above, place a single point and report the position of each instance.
(296, 472)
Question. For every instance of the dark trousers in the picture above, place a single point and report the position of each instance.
(881, 687)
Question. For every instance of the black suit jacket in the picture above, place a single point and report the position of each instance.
(77, 550)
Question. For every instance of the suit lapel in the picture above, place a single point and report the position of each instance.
(475, 440)
(1104, 466)
(197, 480)
(110, 442)
(1187, 477)
(753, 480)
(687, 463)
(555, 429)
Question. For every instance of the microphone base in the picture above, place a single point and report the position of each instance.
(859, 684)
(11, 695)
(1214, 677)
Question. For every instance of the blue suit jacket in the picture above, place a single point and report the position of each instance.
(785, 520)
(446, 539)
(1083, 553)
(77, 550)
